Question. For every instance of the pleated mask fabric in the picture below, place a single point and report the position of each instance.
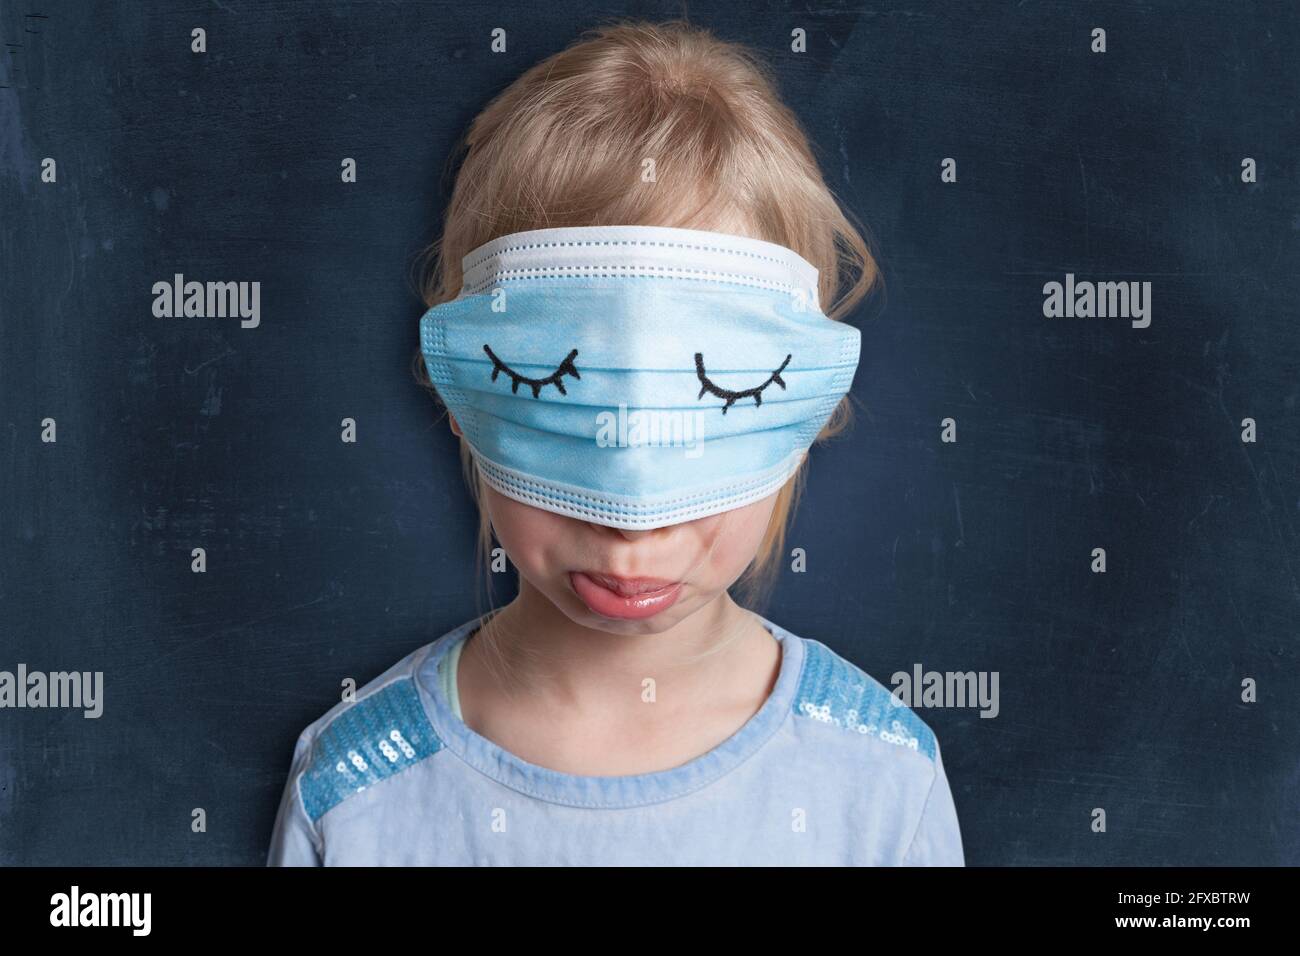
(637, 376)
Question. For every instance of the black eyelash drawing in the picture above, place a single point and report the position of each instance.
(731, 396)
(555, 378)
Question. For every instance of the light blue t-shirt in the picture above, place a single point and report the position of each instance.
(832, 770)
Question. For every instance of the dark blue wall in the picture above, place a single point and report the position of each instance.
(326, 560)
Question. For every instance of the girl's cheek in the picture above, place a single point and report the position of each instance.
(733, 541)
(734, 559)
(529, 535)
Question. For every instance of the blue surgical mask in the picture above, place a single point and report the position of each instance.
(637, 376)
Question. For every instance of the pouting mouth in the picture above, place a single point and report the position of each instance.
(629, 587)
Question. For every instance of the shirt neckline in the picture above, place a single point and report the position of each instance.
(448, 668)
(633, 790)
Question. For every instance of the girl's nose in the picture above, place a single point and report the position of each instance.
(628, 533)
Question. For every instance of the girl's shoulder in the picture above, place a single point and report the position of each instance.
(835, 692)
(863, 735)
(374, 733)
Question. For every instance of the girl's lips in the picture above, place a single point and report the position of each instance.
(624, 598)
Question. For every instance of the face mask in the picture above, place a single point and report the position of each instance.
(637, 376)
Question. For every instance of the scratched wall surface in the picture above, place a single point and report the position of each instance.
(326, 560)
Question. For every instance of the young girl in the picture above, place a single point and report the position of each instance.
(626, 329)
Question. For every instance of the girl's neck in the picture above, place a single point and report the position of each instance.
(542, 677)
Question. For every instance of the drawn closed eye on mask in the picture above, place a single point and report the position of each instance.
(728, 394)
(556, 378)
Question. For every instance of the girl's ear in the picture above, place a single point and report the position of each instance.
(455, 428)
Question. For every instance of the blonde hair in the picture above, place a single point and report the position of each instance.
(565, 145)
